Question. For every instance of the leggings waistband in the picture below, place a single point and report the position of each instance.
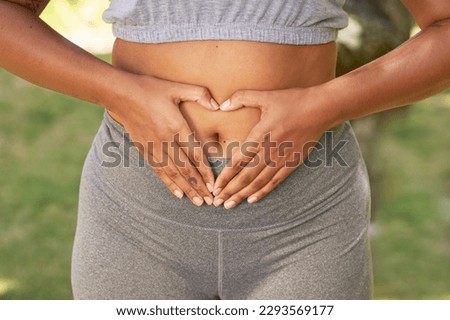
(136, 188)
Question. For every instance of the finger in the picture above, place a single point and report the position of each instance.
(171, 185)
(241, 157)
(193, 150)
(190, 173)
(244, 98)
(265, 182)
(237, 162)
(277, 178)
(173, 172)
(244, 178)
(291, 163)
(166, 169)
(201, 95)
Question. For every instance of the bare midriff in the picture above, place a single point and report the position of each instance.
(224, 67)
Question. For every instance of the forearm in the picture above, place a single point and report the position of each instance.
(414, 71)
(35, 52)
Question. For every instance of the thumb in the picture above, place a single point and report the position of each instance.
(242, 98)
(197, 94)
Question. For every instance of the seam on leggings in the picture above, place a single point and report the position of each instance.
(220, 265)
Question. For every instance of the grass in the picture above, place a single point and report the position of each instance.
(45, 136)
(411, 249)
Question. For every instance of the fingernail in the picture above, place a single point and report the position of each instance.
(229, 204)
(252, 199)
(225, 105)
(210, 187)
(208, 200)
(214, 104)
(178, 194)
(218, 202)
(217, 191)
(197, 201)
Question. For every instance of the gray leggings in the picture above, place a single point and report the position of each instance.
(307, 239)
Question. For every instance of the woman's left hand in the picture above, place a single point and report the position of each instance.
(289, 127)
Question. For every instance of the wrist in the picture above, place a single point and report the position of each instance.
(117, 92)
(322, 106)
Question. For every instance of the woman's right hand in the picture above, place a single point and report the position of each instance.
(150, 114)
(146, 106)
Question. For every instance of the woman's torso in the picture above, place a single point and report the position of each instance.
(224, 67)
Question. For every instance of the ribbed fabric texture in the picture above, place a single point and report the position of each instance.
(297, 22)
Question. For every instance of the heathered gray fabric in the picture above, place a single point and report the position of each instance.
(288, 21)
(307, 239)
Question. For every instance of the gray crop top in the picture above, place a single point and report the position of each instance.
(278, 21)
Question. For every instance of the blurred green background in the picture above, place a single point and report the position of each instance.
(44, 137)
